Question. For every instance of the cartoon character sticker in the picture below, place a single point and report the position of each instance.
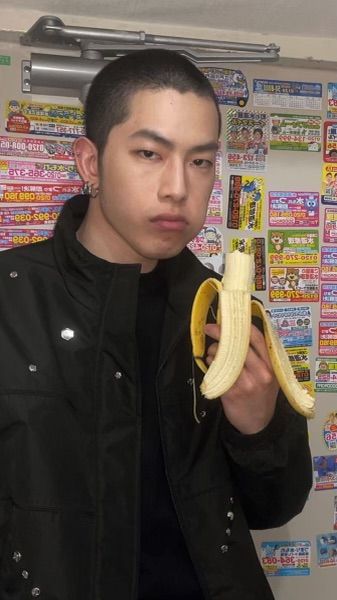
(245, 202)
(330, 424)
(293, 284)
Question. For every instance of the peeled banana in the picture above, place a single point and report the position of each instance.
(234, 313)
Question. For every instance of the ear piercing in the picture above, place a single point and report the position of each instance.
(90, 189)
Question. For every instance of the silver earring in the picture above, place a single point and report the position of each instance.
(89, 189)
(93, 191)
(86, 188)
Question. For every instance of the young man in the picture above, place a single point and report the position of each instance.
(109, 486)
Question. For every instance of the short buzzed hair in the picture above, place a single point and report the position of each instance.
(113, 88)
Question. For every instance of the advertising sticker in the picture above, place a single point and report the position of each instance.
(290, 558)
(326, 375)
(293, 325)
(36, 148)
(326, 549)
(218, 165)
(12, 215)
(293, 284)
(299, 358)
(247, 140)
(293, 209)
(329, 263)
(330, 141)
(26, 171)
(230, 85)
(5, 61)
(245, 202)
(256, 245)
(325, 472)
(215, 208)
(39, 118)
(28, 193)
(330, 225)
(332, 101)
(330, 431)
(9, 238)
(329, 184)
(293, 246)
(327, 343)
(329, 301)
(287, 94)
(207, 243)
(295, 132)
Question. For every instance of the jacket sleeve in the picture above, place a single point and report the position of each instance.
(272, 469)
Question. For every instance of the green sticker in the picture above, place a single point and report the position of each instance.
(5, 60)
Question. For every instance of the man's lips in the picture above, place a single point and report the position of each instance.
(169, 222)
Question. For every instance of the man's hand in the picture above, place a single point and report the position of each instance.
(250, 403)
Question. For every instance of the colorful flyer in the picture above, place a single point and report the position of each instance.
(330, 141)
(332, 101)
(329, 184)
(293, 325)
(293, 247)
(290, 558)
(207, 243)
(36, 148)
(26, 171)
(10, 238)
(326, 549)
(230, 85)
(295, 132)
(335, 513)
(327, 342)
(12, 215)
(294, 284)
(247, 140)
(245, 202)
(287, 94)
(326, 375)
(329, 263)
(218, 165)
(293, 209)
(29, 193)
(299, 358)
(330, 225)
(39, 118)
(325, 472)
(257, 246)
(215, 205)
(329, 301)
(5, 61)
(330, 431)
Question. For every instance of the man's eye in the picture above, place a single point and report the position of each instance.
(148, 154)
(203, 163)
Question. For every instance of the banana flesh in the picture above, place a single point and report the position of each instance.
(234, 313)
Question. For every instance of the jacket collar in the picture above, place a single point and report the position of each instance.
(87, 276)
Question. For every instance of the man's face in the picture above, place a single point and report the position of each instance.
(257, 136)
(156, 176)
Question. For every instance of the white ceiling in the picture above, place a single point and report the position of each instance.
(304, 29)
(308, 18)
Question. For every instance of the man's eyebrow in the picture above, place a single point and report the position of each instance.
(157, 137)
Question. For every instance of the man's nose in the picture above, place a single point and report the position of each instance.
(173, 181)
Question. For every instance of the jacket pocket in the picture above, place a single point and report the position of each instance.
(47, 554)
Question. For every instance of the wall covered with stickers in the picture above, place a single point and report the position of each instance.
(275, 193)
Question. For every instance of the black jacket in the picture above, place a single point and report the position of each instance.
(70, 432)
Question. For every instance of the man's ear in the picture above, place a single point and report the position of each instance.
(86, 157)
